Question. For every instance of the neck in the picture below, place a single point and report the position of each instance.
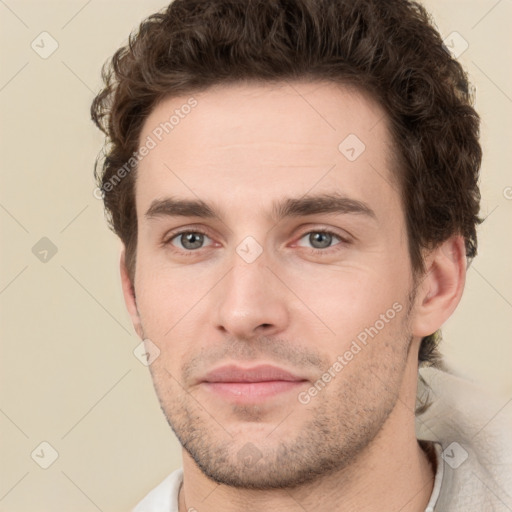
(392, 473)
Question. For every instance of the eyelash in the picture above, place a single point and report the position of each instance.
(328, 250)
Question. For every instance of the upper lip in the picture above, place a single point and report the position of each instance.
(260, 373)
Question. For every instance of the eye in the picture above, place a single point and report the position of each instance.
(187, 240)
(321, 240)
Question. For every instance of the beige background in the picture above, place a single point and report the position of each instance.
(68, 373)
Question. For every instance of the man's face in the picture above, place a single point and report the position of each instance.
(261, 285)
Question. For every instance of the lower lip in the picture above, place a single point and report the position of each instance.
(251, 391)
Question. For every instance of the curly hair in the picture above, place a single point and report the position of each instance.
(387, 48)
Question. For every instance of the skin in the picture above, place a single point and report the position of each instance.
(353, 445)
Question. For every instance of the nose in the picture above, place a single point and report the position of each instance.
(251, 300)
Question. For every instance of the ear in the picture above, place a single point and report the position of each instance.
(129, 295)
(440, 291)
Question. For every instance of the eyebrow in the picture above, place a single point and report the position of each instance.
(281, 209)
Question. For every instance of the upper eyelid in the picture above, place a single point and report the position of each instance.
(171, 234)
(326, 231)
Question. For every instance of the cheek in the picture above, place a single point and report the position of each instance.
(349, 300)
(168, 299)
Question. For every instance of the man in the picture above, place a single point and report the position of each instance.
(295, 187)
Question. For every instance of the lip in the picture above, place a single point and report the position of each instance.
(260, 373)
(253, 384)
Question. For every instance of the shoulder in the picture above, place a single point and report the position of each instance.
(474, 430)
(164, 497)
(461, 408)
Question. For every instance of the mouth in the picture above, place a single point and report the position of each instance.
(255, 384)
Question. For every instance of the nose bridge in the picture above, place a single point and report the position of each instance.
(249, 272)
(250, 297)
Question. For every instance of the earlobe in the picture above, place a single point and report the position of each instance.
(440, 291)
(129, 294)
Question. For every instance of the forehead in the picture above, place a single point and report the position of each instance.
(251, 141)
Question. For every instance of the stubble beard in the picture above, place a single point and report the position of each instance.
(340, 424)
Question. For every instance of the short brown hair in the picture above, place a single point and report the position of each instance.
(389, 48)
